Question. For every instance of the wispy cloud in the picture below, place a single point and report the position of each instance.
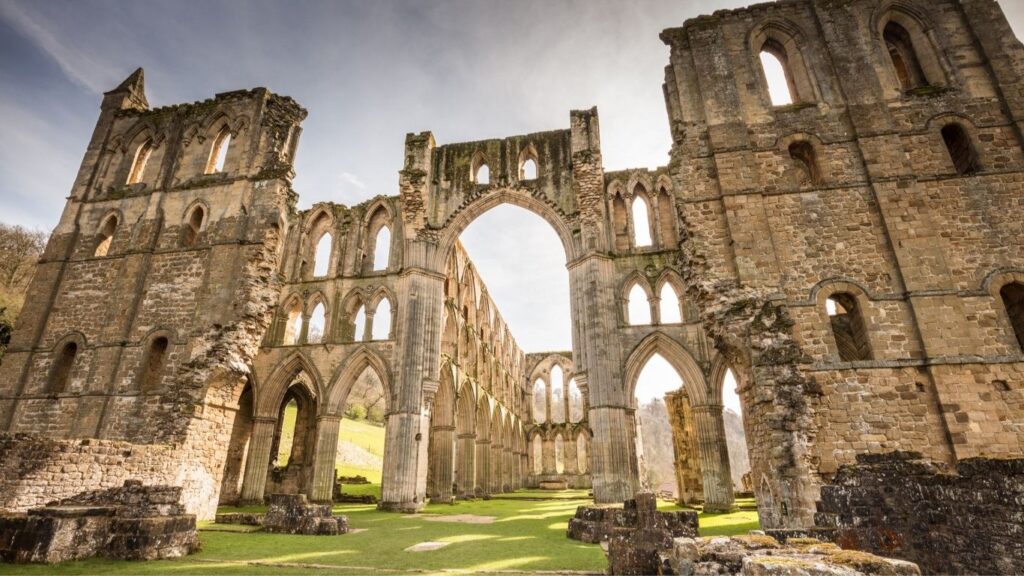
(347, 181)
(76, 64)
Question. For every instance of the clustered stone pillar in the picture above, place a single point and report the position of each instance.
(256, 466)
(714, 457)
(443, 463)
(324, 458)
(467, 464)
(483, 465)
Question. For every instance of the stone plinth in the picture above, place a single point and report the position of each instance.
(595, 524)
(134, 522)
(292, 514)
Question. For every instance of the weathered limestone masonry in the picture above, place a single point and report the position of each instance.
(151, 298)
(891, 186)
(964, 521)
(855, 257)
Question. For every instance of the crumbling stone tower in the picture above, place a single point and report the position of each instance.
(856, 253)
(154, 291)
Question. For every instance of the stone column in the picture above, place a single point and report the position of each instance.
(496, 468)
(417, 368)
(569, 456)
(507, 471)
(483, 466)
(466, 478)
(324, 458)
(714, 457)
(443, 462)
(256, 465)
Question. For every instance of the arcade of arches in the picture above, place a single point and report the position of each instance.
(852, 256)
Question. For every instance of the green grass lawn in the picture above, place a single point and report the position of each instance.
(528, 535)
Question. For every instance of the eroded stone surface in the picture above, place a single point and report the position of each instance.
(292, 514)
(764, 556)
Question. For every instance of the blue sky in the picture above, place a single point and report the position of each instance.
(368, 72)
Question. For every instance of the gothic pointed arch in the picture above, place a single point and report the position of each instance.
(283, 377)
(346, 376)
(677, 355)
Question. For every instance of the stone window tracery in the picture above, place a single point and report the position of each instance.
(382, 320)
(641, 218)
(638, 308)
(317, 324)
(322, 256)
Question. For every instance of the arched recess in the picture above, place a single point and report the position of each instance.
(907, 40)
(784, 41)
(677, 355)
(379, 240)
(345, 377)
(137, 171)
(66, 354)
(105, 234)
(441, 452)
(275, 385)
(291, 321)
(193, 223)
(318, 323)
(843, 305)
(319, 245)
(619, 216)
(668, 236)
(528, 167)
(642, 209)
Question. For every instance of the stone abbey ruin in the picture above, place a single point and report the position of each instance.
(855, 257)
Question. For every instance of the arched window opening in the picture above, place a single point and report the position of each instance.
(483, 174)
(575, 402)
(528, 171)
(638, 308)
(287, 431)
(540, 402)
(655, 456)
(382, 249)
(557, 395)
(293, 326)
(904, 59)
(219, 152)
(667, 219)
(807, 161)
(961, 150)
(641, 221)
(620, 223)
(382, 320)
(559, 454)
(156, 357)
(322, 256)
(848, 327)
(105, 236)
(538, 454)
(581, 454)
(138, 169)
(195, 223)
(61, 372)
(1013, 302)
(670, 305)
(360, 325)
(317, 324)
(777, 74)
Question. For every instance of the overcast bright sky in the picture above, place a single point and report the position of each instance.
(368, 72)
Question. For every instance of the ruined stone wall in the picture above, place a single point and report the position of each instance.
(156, 246)
(965, 520)
(883, 216)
